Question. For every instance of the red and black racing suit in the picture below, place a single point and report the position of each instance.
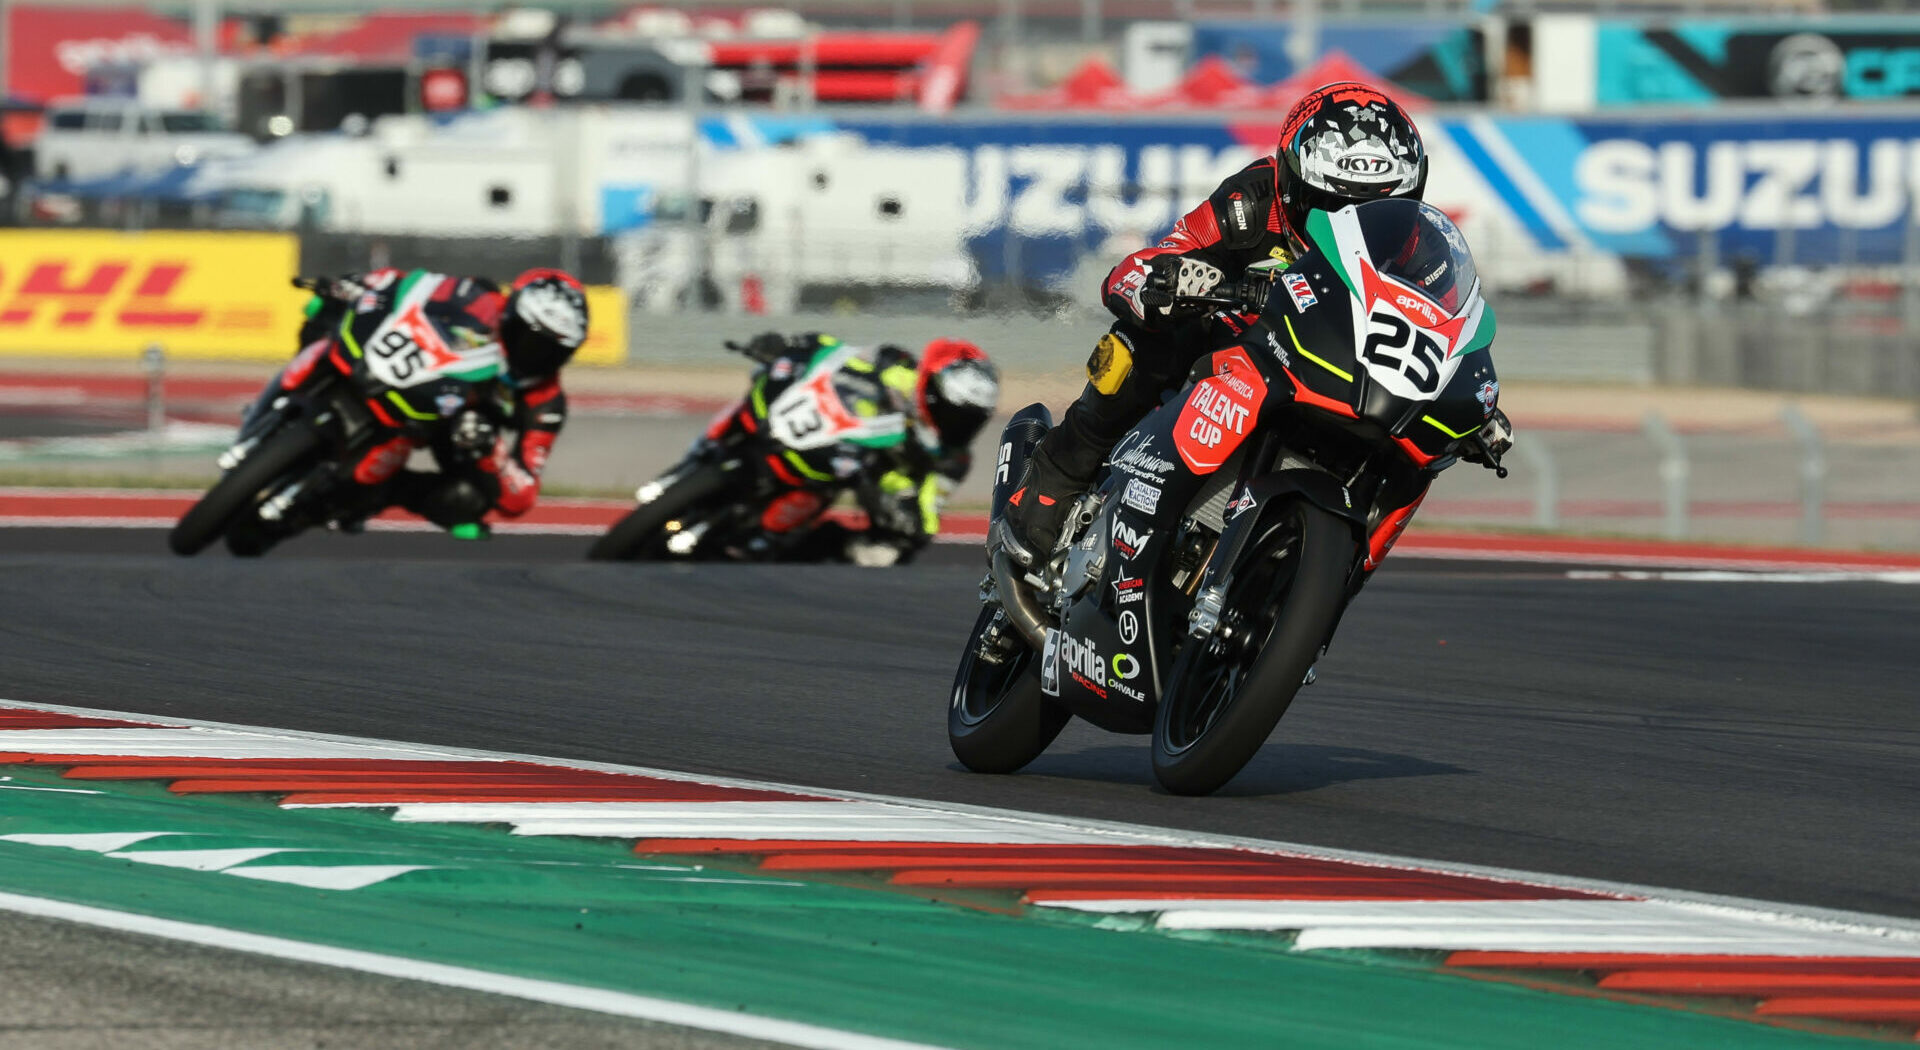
(502, 476)
(1241, 223)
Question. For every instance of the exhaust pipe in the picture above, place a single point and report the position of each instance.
(1017, 441)
(1018, 601)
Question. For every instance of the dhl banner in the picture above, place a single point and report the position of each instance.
(111, 293)
(104, 293)
(606, 327)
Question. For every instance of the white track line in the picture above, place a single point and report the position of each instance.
(792, 1033)
(1790, 925)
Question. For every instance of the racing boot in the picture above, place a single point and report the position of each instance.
(1037, 511)
(1062, 467)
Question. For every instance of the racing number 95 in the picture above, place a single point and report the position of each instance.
(400, 353)
(1393, 342)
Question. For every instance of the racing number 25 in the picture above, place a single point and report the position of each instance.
(1388, 339)
(401, 354)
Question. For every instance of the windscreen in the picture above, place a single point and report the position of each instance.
(1416, 243)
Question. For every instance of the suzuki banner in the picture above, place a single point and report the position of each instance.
(111, 293)
(1828, 189)
(1054, 202)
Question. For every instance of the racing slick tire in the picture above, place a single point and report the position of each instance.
(640, 535)
(239, 489)
(998, 720)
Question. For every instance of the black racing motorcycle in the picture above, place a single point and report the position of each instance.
(346, 414)
(757, 483)
(1202, 577)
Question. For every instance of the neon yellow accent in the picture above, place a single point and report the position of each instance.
(930, 505)
(759, 397)
(857, 364)
(1442, 428)
(901, 380)
(865, 409)
(1309, 355)
(799, 463)
(896, 483)
(394, 396)
(1111, 363)
(346, 335)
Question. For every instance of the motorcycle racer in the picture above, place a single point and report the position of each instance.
(947, 393)
(1343, 143)
(489, 461)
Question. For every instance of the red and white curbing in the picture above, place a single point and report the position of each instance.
(1792, 962)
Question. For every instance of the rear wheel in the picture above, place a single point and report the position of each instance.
(237, 490)
(1225, 695)
(999, 720)
(642, 533)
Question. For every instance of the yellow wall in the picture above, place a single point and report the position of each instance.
(101, 292)
(220, 296)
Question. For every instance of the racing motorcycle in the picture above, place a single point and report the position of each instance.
(767, 469)
(345, 414)
(1202, 577)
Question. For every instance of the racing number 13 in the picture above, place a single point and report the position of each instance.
(1389, 332)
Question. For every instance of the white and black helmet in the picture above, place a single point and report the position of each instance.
(544, 322)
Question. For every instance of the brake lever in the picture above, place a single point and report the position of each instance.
(1491, 460)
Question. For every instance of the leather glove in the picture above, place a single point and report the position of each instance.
(1496, 440)
(1169, 276)
(473, 432)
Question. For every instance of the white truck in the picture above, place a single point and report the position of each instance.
(93, 138)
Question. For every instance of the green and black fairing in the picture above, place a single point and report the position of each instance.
(1326, 313)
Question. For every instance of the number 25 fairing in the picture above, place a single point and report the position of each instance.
(1201, 578)
(396, 361)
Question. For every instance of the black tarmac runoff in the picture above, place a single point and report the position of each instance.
(1756, 739)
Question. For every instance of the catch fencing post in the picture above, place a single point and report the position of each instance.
(1546, 481)
(1813, 473)
(153, 361)
(1673, 473)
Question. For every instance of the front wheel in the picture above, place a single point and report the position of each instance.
(641, 533)
(1225, 695)
(235, 492)
(998, 719)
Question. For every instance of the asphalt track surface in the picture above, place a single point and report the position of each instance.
(1753, 739)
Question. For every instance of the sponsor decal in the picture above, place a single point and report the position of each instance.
(1300, 290)
(1126, 669)
(449, 403)
(1129, 630)
(1488, 393)
(1219, 412)
(1050, 663)
(1128, 540)
(1371, 165)
(1239, 206)
(845, 466)
(782, 368)
(1420, 308)
(99, 292)
(1003, 463)
(1129, 590)
(1135, 456)
(1081, 661)
(1141, 496)
(1243, 502)
(1279, 352)
(1127, 287)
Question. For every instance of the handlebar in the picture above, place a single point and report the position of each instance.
(311, 284)
(1244, 294)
